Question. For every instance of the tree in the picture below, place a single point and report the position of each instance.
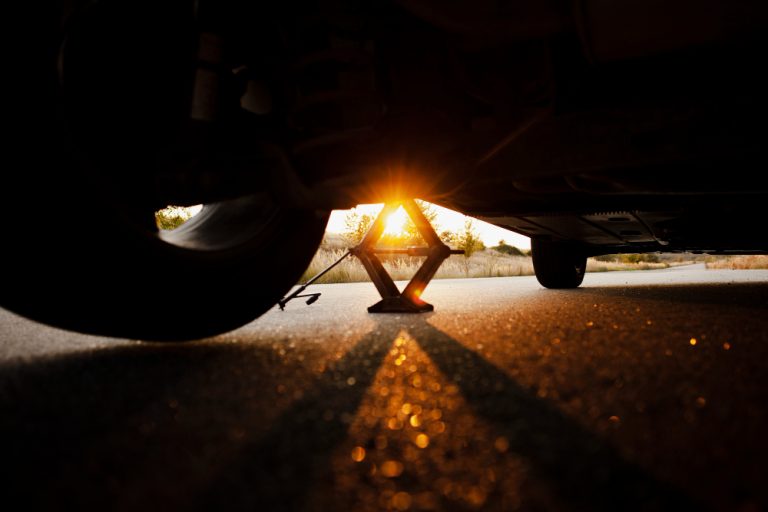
(468, 239)
(357, 226)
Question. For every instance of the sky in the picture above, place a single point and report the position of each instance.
(446, 219)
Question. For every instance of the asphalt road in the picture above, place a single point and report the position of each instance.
(638, 391)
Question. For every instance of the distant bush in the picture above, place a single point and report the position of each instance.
(511, 250)
(639, 258)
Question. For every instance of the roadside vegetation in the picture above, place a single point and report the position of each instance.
(737, 262)
(477, 260)
(614, 262)
(172, 217)
(485, 263)
(501, 260)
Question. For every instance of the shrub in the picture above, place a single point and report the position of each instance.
(172, 217)
(504, 248)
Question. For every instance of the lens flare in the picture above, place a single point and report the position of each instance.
(396, 222)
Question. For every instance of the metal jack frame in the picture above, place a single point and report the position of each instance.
(392, 299)
(409, 300)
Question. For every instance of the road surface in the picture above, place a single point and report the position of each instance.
(638, 391)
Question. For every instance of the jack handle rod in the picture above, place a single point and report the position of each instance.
(303, 287)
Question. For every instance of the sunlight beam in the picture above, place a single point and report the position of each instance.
(396, 223)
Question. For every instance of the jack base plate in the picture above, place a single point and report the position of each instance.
(400, 305)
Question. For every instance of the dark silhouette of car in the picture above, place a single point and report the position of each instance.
(592, 126)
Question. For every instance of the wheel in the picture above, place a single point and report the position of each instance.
(107, 125)
(88, 269)
(93, 272)
(558, 264)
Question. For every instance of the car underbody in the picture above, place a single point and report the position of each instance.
(590, 125)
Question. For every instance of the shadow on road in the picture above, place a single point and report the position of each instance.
(73, 432)
(585, 471)
(277, 472)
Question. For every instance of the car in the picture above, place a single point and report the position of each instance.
(591, 126)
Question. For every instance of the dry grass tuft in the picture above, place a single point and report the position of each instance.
(486, 263)
(594, 265)
(738, 262)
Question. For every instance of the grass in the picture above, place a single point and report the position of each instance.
(594, 265)
(738, 262)
(491, 263)
(486, 263)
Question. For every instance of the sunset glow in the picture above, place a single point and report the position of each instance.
(446, 220)
(396, 222)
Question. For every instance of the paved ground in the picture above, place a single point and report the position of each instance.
(639, 391)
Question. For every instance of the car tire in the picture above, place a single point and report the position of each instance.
(558, 264)
(101, 122)
(83, 265)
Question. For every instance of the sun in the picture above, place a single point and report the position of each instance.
(396, 222)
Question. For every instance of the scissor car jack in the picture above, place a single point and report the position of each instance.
(392, 299)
